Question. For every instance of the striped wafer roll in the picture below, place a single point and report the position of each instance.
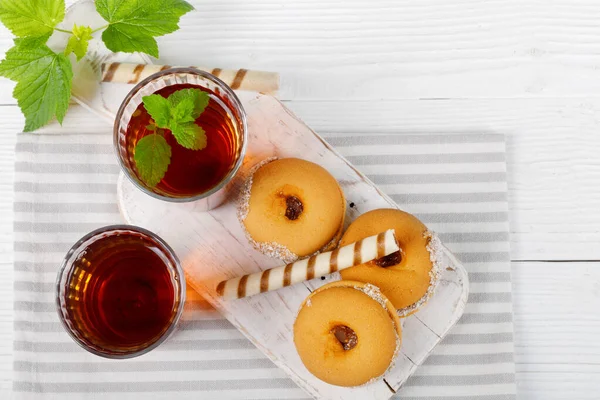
(365, 250)
(241, 79)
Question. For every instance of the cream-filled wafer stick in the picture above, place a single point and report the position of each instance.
(363, 251)
(241, 79)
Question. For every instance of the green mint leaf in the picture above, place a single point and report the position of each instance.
(31, 17)
(188, 104)
(179, 113)
(43, 80)
(152, 156)
(158, 108)
(189, 135)
(78, 42)
(183, 111)
(133, 24)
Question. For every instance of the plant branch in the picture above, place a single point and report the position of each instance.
(94, 31)
(99, 29)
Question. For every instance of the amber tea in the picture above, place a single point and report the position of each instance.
(121, 291)
(192, 172)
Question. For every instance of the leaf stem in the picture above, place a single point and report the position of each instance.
(94, 31)
(99, 29)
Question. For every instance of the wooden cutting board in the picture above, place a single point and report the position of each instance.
(212, 247)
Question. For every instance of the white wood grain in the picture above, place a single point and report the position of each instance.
(556, 329)
(212, 247)
(344, 49)
(339, 50)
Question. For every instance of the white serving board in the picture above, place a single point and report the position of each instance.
(212, 247)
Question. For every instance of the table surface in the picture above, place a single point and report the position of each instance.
(527, 68)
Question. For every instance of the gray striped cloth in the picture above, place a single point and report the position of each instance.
(65, 187)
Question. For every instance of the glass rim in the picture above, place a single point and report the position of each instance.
(59, 301)
(244, 122)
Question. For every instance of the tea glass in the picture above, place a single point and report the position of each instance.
(181, 76)
(77, 272)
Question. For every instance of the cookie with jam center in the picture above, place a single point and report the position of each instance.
(292, 208)
(347, 333)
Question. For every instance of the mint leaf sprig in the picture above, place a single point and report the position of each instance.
(44, 77)
(177, 113)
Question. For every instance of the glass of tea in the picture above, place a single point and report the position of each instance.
(120, 291)
(192, 175)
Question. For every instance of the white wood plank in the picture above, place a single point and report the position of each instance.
(427, 49)
(396, 49)
(557, 326)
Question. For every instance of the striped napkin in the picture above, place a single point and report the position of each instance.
(65, 187)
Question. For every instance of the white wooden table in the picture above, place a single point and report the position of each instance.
(527, 68)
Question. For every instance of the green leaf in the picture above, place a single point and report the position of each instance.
(158, 108)
(152, 156)
(78, 42)
(133, 24)
(179, 113)
(188, 104)
(189, 135)
(183, 111)
(31, 17)
(32, 41)
(43, 80)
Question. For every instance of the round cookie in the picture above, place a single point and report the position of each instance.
(407, 278)
(347, 333)
(292, 208)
